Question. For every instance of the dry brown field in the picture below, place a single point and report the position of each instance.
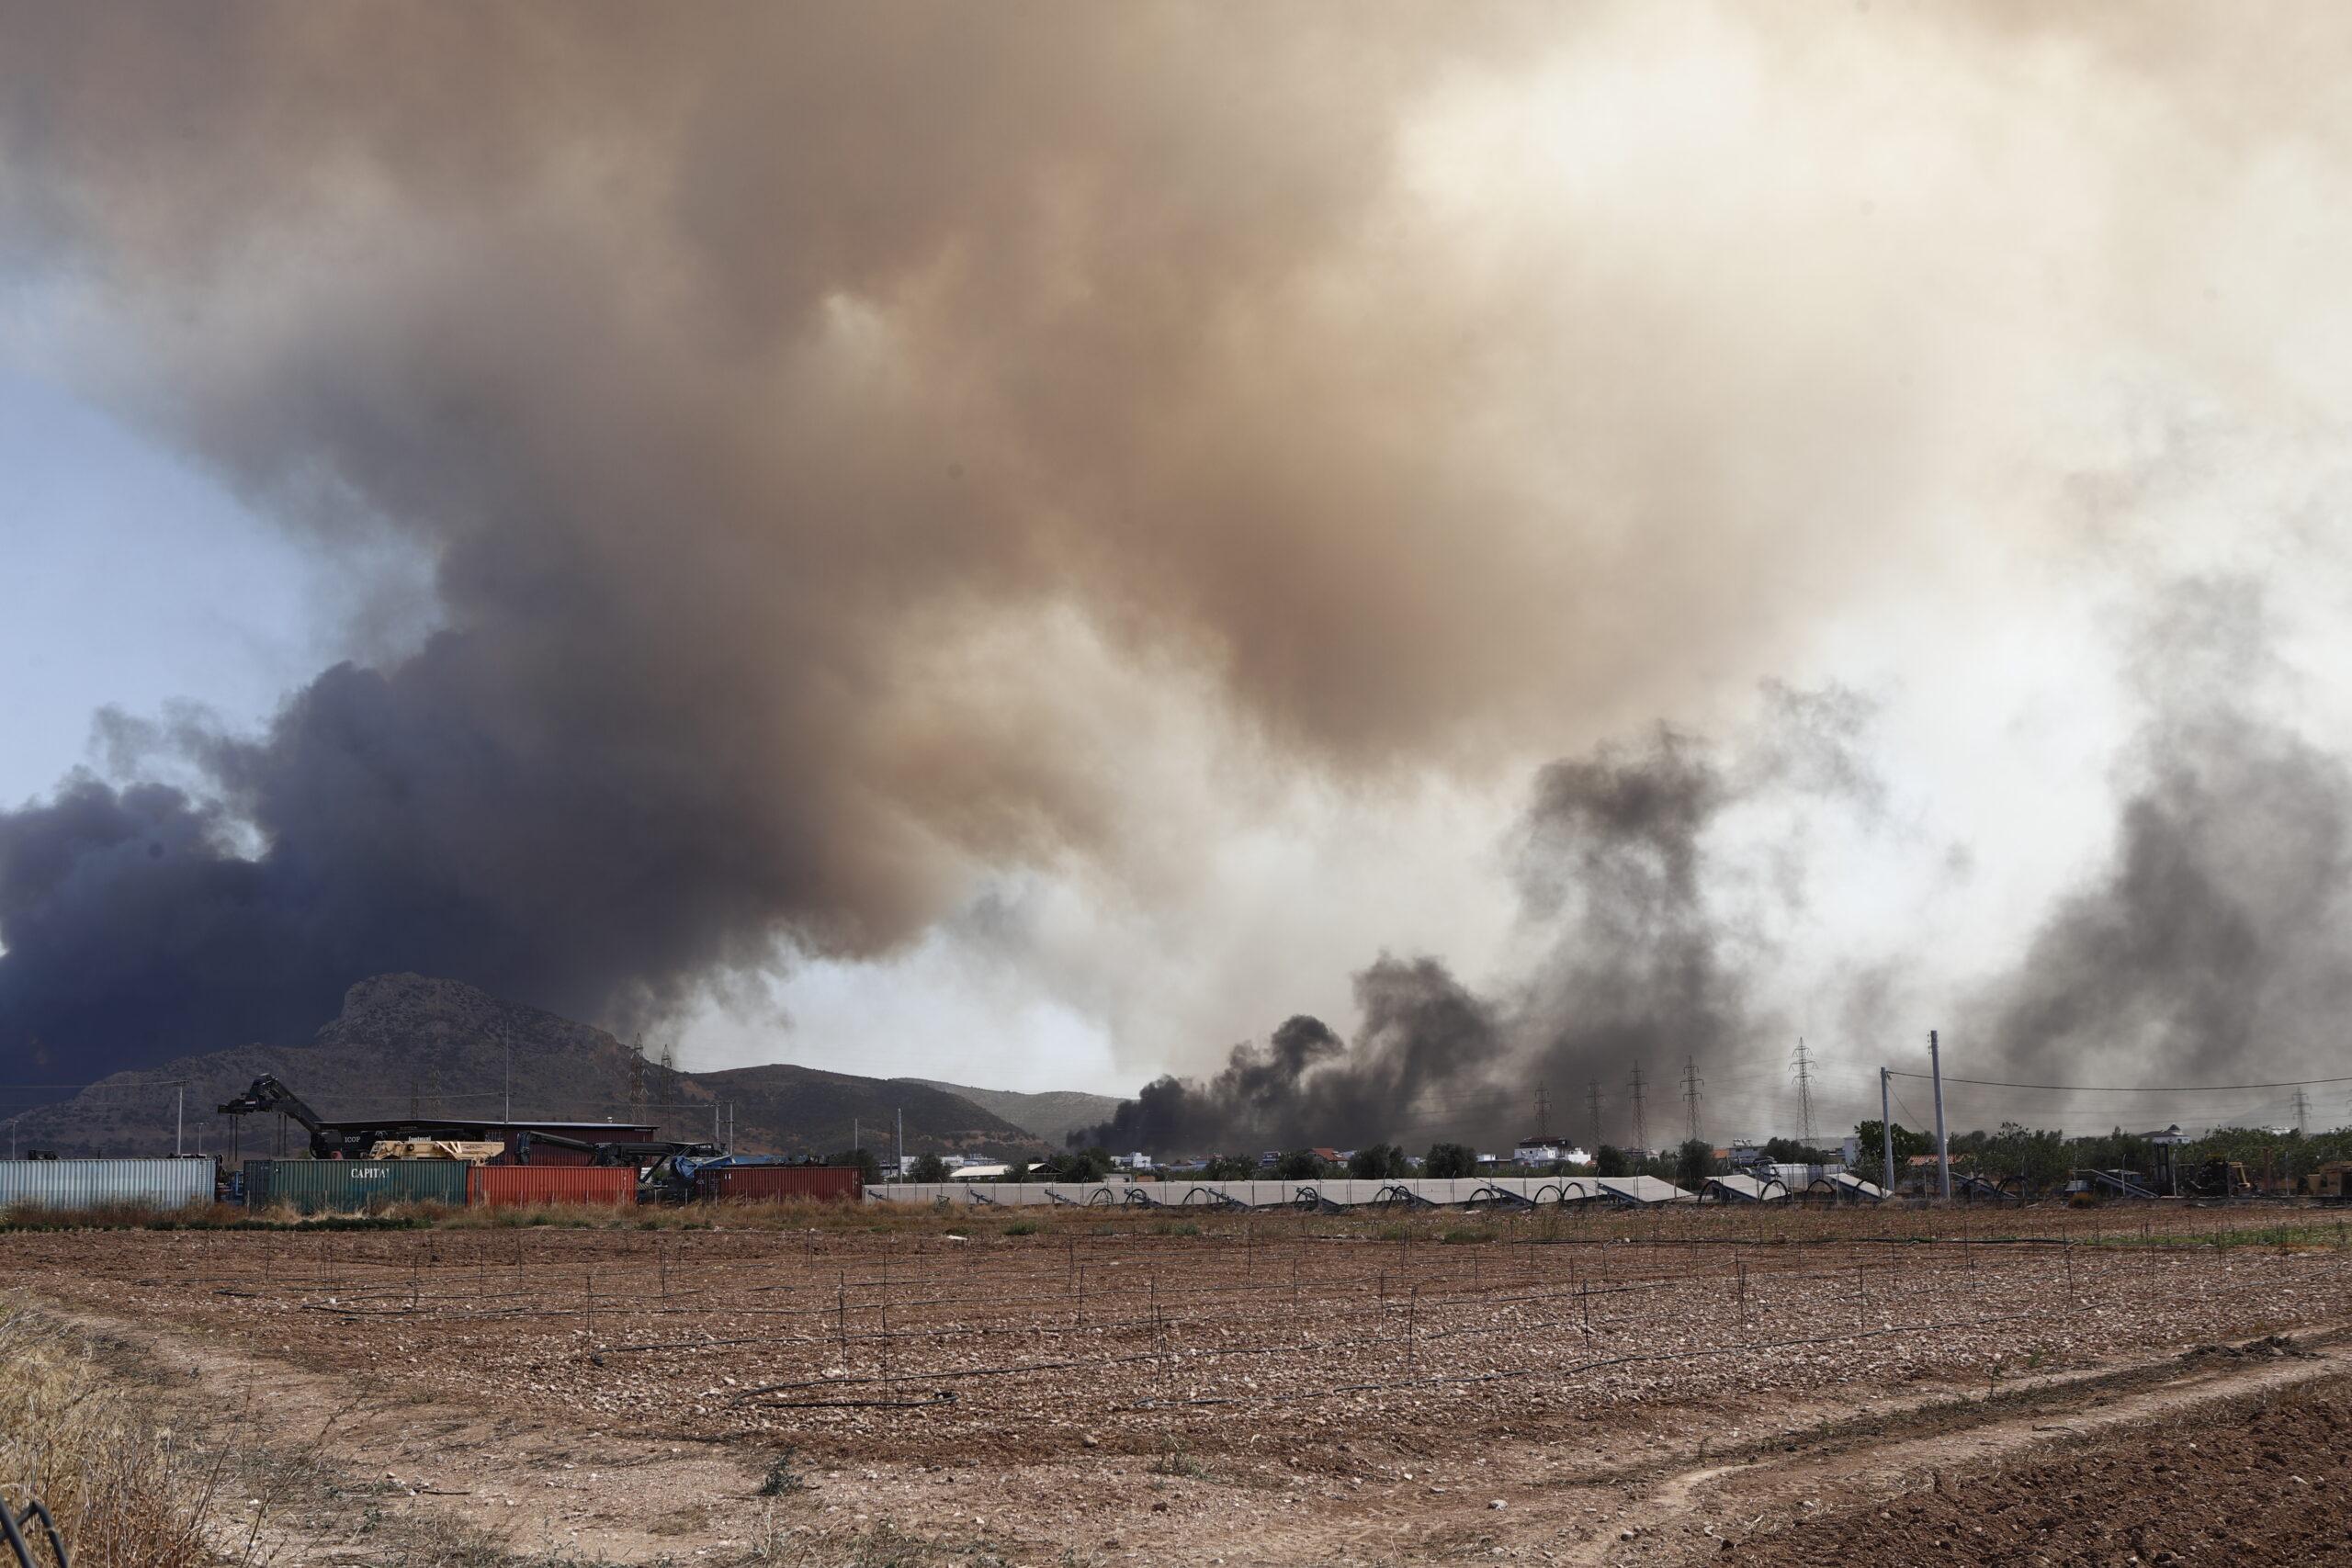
(1093, 1387)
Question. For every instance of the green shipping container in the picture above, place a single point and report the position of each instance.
(355, 1186)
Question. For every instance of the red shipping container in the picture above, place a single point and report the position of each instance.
(767, 1183)
(513, 1184)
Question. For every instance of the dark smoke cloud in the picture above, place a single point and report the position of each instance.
(2210, 942)
(1652, 958)
(770, 390)
(1424, 1034)
(734, 368)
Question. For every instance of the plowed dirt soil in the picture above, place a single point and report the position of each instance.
(1110, 1389)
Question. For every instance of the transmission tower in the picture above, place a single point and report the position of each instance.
(1692, 1084)
(669, 1055)
(1543, 1114)
(2302, 1112)
(1641, 1122)
(637, 1072)
(1592, 1106)
(1804, 1068)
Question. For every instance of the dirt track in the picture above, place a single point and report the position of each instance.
(1715, 1396)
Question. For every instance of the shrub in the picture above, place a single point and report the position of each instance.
(120, 1489)
(1447, 1161)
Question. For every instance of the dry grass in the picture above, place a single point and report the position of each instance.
(124, 1493)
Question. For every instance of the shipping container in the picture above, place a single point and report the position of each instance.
(768, 1183)
(103, 1183)
(507, 1185)
(253, 1182)
(354, 1186)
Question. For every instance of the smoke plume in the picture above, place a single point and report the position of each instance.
(1652, 905)
(862, 451)
(2208, 943)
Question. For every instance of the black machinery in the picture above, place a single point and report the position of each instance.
(607, 1142)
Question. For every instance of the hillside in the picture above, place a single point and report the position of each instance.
(1052, 1115)
(404, 1042)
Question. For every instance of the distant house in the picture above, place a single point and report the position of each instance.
(1328, 1157)
(1270, 1160)
(1538, 1150)
(1137, 1161)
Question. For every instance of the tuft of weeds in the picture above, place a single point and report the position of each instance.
(1022, 1227)
(782, 1478)
(1176, 1459)
(121, 1488)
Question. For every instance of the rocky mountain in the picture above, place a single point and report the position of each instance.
(404, 1043)
(1052, 1115)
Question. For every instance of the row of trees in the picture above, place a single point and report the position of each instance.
(2039, 1156)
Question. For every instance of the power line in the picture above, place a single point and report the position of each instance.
(2124, 1088)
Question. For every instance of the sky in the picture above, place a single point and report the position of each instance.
(1031, 547)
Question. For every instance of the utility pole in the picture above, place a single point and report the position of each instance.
(856, 1140)
(1593, 1104)
(1692, 1084)
(902, 1175)
(179, 1118)
(1641, 1122)
(1803, 1062)
(1886, 1125)
(506, 1038)
(1943, 1144)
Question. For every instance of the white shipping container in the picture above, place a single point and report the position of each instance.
(98, 1183)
